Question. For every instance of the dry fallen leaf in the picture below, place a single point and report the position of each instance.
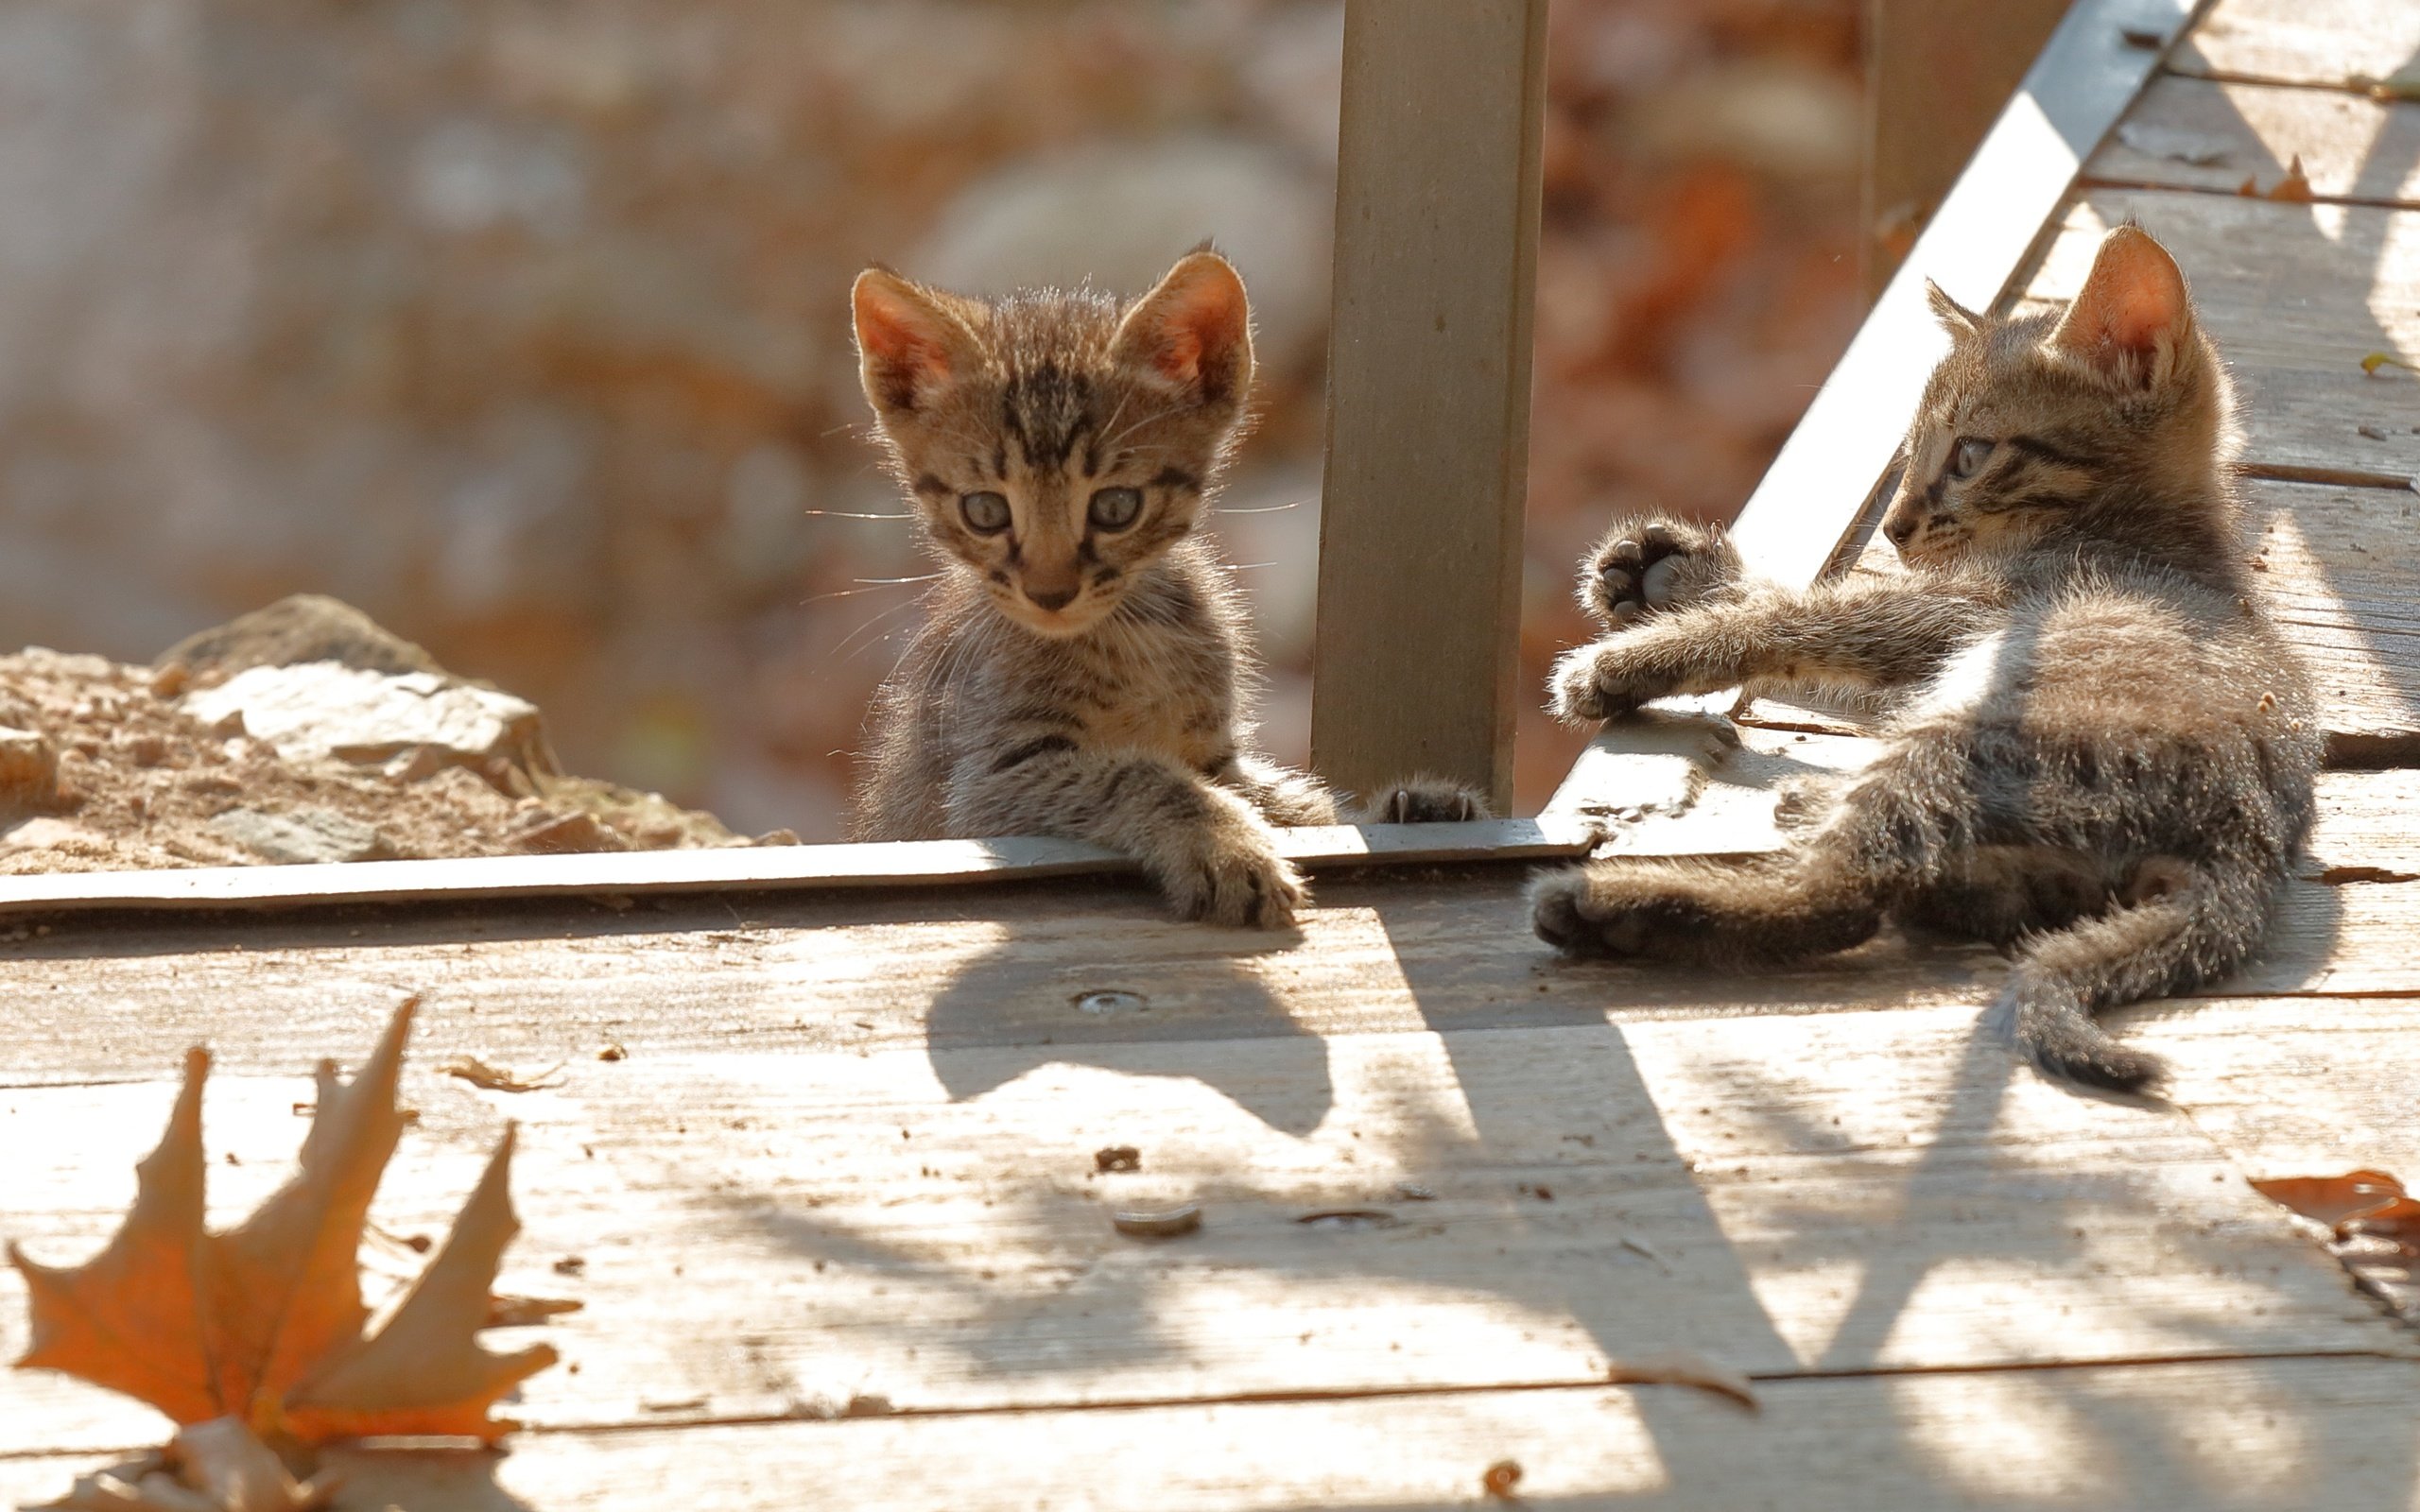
(213, 1466)
(2332, 1199)
(2295, 188)
(2375, 360)
(496, 1079)
(260, 1328)
(1682, 1368)
(2374, 1229)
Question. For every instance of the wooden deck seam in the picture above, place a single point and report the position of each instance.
(2338, 477)
(2087, 182)
(1308, 1397)
(2316, 86)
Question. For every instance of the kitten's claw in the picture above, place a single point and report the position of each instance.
(1598, 682)
(1237, 881)
(1650, 564)
(1425, 800)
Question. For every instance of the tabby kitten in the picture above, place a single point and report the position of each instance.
(1083, 668)
(2102, 755)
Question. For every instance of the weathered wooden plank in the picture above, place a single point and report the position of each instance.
(2296, 295)
(671, 873)
(2195, 133)
(1011, 967)
(2297, 1087)
(2304, 42)
(2230, 1438)
(758, 1232)
(1936, 77)
(2341, 569)
(1812, 495)
(2369, 826)
(1428, 390)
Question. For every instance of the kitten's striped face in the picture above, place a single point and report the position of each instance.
(1056, 445)
(2038, 426)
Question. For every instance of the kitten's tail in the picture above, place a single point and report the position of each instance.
(2185, 925)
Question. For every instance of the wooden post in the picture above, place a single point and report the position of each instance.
(1429, 391)
(1937, 74)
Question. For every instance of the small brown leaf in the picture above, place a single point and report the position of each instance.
(508, 1312)
(1681, 1367)
(496, 1079)
(2332, 1199)
(2295, 188)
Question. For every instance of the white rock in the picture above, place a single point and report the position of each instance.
(303, 836)
(1120, 216)
(328, 711)
(44, 833)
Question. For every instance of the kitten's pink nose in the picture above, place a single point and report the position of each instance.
(1053, 599)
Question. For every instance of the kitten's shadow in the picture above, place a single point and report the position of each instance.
(980, 1033)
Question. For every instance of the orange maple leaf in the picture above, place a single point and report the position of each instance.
(264, 1323)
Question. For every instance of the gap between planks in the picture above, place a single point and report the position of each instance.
(2273, 1435)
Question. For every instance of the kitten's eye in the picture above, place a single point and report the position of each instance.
(1116, 509)
(987, 512)
(1968, 457)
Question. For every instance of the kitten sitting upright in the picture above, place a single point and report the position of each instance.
(2104, 755)
(1083, 668)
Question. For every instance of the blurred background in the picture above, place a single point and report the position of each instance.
(523, 326)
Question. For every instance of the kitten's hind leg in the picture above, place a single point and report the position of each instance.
(1828, 893)
(1705, 911)
(1424, 800)
(2182, 925)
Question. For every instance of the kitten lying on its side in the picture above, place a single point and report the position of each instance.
(2105, 755)
(1084, 665)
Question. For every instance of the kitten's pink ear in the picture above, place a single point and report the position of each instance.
(1194, 331)
(908, 346)
(2132, 308)
(1959, 321)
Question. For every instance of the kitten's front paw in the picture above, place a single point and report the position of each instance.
(1652, 563)
(1423, 801)
(1235, 877)
(1572, 914)
(1610, 677)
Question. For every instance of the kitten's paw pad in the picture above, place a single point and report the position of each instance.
(1567, 915)
(1425, 800)
(1645, 566)
(1239, 883)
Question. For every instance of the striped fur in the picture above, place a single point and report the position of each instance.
(2100, 754)
(1081, 673)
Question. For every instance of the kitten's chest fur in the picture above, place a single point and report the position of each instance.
(1160, 676)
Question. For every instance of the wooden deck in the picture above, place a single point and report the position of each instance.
(842, 1241)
